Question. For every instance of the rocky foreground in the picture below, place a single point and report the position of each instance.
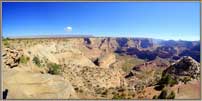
(99, 68)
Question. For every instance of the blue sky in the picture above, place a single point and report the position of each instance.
(161, 20)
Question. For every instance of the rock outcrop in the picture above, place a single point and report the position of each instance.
(186, 66)
(166, 51)
(43, 51)
(27, 85)
(151, 65)
(107, 60)
(11, 57)
(140, 43)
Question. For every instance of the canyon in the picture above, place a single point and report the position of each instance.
(100, 68)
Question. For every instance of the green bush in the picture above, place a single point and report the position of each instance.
(6, 43)
(167, 80)
(172, 95)
(163, 94)
(53, 68)
(6, 39)
(36, 61)
(24, 59)
(117, 96)
(155, 97)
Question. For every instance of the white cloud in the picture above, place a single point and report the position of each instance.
(68, 29)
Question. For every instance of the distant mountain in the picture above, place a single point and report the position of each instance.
(147, 48)
(143, 48)
(51, 36)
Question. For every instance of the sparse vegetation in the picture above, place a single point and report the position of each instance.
(129, 63)
(167, 80)
(186, 79)
(36, 61)
(155, 97)
(122, 93)
(172, 95)
(5, 39)
(164, 95)
(6, 42)
(24, 59)
(119, 96)
(78, 90)
(53, 68)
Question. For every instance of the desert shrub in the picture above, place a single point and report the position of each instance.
(105, 92)
(122, 93)
(186, 79)
(6, 42)
(36, 61)
(167, 80)
(80, 90)
(155, 97)
(24, 59)
(76, 89)
(53, 68)
(172, 95)
(163, 94)
(117, 96)
(5, 39)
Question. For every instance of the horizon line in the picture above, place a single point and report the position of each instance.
(84, 36)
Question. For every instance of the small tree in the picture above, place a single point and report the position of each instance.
(167, 80)
(36, 61)
(164, 95)
(53, 68)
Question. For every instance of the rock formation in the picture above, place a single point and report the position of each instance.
(11, 57)
(186, 66)
(106, 60)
